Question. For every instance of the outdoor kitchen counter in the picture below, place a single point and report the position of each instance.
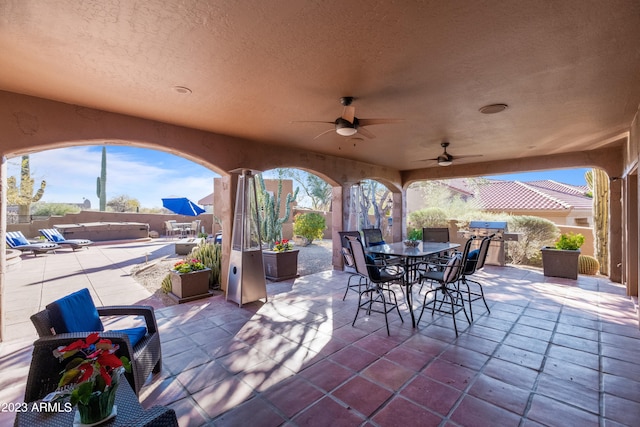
(99, 231)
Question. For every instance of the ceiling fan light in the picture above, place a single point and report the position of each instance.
(345, 128)
(444, 161)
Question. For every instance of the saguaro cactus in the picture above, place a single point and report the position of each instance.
(270, 220)
(101, 187)
(23, 196)
(598, 183)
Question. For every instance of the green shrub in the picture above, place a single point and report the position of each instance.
(309, 225)
(428, 217)
(210, 254)
(415, 234)
(570, 241)
(535, 233)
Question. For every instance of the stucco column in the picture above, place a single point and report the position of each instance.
(3, 232)
(337, 224)
(615, 230)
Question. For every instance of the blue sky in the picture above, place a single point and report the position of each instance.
(150, 175)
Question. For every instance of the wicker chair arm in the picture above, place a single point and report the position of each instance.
(132, 310)
(156, 416)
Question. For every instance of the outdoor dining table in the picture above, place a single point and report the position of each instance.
(412, 257)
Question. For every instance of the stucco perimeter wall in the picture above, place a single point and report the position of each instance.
(155, 221)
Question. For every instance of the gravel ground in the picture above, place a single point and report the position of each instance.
(312, 259)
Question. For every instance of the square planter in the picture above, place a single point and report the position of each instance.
(190, 286)
(560, 263)
(280, 265)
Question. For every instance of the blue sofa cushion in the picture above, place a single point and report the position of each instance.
(75, 313)
(135, 334)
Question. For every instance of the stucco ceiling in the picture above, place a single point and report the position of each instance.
(568, 70)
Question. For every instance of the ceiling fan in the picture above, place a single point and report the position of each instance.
(348, 124)
(446, 159)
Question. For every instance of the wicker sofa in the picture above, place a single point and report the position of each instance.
(145, 357)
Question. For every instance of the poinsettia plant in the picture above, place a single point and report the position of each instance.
(188, 265)
(92, 367)
(282, 246)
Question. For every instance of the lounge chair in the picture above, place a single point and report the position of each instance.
(16, 240)
(75, 316)
(54, 235)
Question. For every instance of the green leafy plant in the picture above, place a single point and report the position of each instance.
(570, 241)
(188, 266)
(282, 246)
(309, 225)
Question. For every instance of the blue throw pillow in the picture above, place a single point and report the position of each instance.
(472, 260)
(56, 237)
(75, 313)
(381, 242)
(19, 240)
(374, 272)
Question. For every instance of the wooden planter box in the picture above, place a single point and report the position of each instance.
(190, 286)
(280, 265)
(560, 263)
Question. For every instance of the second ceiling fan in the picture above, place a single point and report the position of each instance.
(348, 124)
(446, 159)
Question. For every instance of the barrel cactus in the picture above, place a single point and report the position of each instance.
(588, 265)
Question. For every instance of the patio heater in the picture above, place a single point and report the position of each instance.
(246, 282)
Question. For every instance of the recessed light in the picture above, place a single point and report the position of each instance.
(493, 108)
(183, 90)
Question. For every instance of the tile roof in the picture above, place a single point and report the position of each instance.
(516, 195)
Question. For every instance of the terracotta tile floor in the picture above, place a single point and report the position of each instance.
(551, 352)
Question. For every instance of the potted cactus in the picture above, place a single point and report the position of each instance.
(562, 259)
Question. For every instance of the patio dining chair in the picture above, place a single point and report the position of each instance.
(378, 281)
(373, 237)
(54, 235)
(474, 262)
(16, 240)
(349, 262)
(74, 317)
(446, 296)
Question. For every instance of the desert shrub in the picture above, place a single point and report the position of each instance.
(415, 234)
(166, 284)
(310, 225)
(427, 217)
(210, 254)
(50, 209)
(535, 233)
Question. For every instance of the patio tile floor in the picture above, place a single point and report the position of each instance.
(551, 352)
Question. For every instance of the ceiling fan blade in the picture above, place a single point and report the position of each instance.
(467, 156)
(369, 122)
(310, 121)
(425, 160)
(363, 131)
(326, 131)
(348, 113)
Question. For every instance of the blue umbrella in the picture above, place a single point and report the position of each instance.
(182, 206)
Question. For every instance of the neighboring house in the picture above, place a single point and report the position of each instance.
(563, 204)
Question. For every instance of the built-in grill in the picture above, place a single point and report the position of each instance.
(496, 251)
